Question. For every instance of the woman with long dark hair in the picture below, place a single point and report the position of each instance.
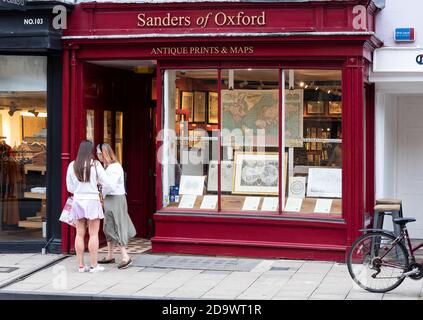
(84, 176)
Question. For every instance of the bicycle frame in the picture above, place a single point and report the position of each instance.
(405, 236)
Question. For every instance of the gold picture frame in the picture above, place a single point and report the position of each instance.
(315, 107)
(335, 107)
(188, 104)
(199, 106)
(261, 182)
(213, 108)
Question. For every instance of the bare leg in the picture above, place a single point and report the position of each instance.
(93, 228)
(109, 250)
(125, 256)
(81, 226)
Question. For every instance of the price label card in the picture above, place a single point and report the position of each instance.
(270, 204)
(209, 202)
(187, 201)
(251, 203)
(293, 204)
(323, 206)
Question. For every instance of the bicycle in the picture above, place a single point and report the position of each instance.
(379, 261)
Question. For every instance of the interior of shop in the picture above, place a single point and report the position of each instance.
(23, 147)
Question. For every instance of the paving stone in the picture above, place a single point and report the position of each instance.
(327, 296)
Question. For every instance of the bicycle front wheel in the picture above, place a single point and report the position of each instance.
(376, 263)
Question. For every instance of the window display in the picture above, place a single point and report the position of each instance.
(222, 149)
(23, 146)
(190, 144)
(315, 162)
(250, 138)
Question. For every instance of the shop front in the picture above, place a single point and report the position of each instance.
(243, 131)
(398, 78)
(30, 113)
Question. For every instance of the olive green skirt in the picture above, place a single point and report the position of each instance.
(117, 227)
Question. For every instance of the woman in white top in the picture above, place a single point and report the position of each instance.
(117, 226)
(82, 179)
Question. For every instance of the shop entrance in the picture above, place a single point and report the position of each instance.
(119, 107)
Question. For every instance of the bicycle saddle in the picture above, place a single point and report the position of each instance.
(403, 221)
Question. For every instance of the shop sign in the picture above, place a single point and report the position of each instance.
(13, 4)
(210, 19)
(202, 50)
(404, 35)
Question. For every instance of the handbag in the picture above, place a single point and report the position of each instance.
(100, 188)
(66, 216)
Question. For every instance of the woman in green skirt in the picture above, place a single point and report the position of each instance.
(118, 227)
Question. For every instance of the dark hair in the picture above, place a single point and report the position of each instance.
(82, 165)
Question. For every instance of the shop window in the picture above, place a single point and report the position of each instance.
(23, 146)
(190, 139)
(313, 142)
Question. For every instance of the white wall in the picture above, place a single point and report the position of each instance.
(386, 136)
(400, 14)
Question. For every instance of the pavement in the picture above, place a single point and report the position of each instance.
(213, 278)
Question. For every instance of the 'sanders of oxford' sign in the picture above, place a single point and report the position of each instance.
(13, 4)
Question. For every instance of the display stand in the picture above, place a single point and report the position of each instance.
(35, 222)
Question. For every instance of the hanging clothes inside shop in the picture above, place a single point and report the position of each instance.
(12, 181)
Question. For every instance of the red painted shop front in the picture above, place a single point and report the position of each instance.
(245, 129)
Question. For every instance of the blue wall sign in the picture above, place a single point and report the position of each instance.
(419, 59)
(404, 34)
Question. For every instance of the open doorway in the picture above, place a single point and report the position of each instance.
(120, 106)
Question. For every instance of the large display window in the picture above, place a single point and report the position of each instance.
(23, 147)
(253, 141)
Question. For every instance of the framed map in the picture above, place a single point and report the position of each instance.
(250, 114)
(256, 173)
(294, 109)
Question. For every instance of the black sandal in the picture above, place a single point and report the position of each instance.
(106, 261)
(125, 264)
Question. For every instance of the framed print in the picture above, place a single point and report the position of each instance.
(177, 99)
(256, 173)
(213, 110)
(297, 187)
(107, 127)
(226, 168)
(294, 110)
(324, 182)
(90, 124)
(177, 103)
(199, 106)
(315, 107)
(193, 185)
(188, 104)
(335, 107)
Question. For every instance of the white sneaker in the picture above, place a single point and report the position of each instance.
(97, 268)
(83, 269)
